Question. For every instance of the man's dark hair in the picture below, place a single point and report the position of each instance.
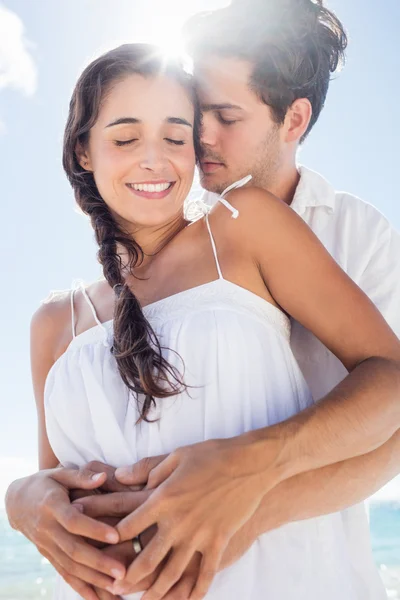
(295, 46)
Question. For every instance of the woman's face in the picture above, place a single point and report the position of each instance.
(141, 150)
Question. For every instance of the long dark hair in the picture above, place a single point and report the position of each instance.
(294, 45)
(136, 348)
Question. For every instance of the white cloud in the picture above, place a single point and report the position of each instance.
(13, 468)
(17, 67)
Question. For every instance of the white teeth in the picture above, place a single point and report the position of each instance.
(150, 187)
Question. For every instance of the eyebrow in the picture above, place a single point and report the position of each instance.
(208, 107)
(133, 121)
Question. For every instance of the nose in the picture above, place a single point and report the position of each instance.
(208, 131)
(153, 158)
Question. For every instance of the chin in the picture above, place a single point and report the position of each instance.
(211, 184)
(217, 186)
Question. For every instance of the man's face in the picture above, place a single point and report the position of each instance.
(240, 136)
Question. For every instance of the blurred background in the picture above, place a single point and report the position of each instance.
(46, 244)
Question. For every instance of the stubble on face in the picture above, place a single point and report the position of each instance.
(262, 162)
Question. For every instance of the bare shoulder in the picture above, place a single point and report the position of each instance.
(51, 323)
(259, 213)
(253, 203)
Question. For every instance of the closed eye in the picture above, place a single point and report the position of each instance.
(225, 121)
(124, 142)
(176, 142)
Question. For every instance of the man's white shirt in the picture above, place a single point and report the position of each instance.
(367, 248)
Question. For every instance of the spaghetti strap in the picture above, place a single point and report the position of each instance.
(81, 286)
(236, 184)
(91, 306)
(214, 249)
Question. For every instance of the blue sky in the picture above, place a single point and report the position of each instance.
(46, 244)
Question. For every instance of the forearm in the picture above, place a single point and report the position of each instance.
(331, 488)
(356, 417)
(10, 501)
(318, 492)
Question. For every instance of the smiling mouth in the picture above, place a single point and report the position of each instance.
(151, 190)
(150, 187)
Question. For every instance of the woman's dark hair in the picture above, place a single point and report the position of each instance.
(136, 348)
(294, 45)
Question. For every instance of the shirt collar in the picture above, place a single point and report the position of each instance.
(313, 191)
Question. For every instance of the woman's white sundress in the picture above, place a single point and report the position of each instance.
(236, 352)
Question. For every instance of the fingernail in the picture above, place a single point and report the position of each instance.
(112, 537)
(122, 472)
(78, 507)
(117, 574)
(119, 589)
(97, 476)
(110, 589)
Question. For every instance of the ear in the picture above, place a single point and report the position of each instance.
(297, 119)
(83, 158)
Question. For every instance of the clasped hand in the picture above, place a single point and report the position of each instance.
(201, 496)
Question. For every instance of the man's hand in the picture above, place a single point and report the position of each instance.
(122, 504)
(202, 496)
(39, 507)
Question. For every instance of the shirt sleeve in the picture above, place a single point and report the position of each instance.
(381, 277)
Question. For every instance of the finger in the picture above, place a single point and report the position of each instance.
(142, 518)
(183, 589)
(144, 564)
(110, 484)
(77, 494)
(117, 504)
(83, 589)
(73, 521)
(104, 595)
(172, 572)
(138, 473)
(145, 583)
(83, 573)
(80, 552)
(208, 570)
(78, 478)
(162, 471)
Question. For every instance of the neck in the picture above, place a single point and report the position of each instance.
(285, 183)
(153, 239)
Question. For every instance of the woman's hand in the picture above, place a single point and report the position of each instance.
(203, 494)
(39, 507)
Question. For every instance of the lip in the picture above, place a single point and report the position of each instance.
(210, 167)
(152, 195)
(152, 181)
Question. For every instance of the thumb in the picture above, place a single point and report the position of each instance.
(78, 478)
(138, 473)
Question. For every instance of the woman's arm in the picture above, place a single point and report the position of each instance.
(363, 411)
(39, 505)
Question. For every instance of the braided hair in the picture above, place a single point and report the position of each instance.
(136, 349)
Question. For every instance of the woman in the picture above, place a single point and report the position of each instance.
(187, 338)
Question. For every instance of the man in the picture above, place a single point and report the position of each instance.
(263, 70)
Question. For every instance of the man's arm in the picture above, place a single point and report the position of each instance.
(318, 492)
(312, 494)
(342, 484)
(361, 414)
